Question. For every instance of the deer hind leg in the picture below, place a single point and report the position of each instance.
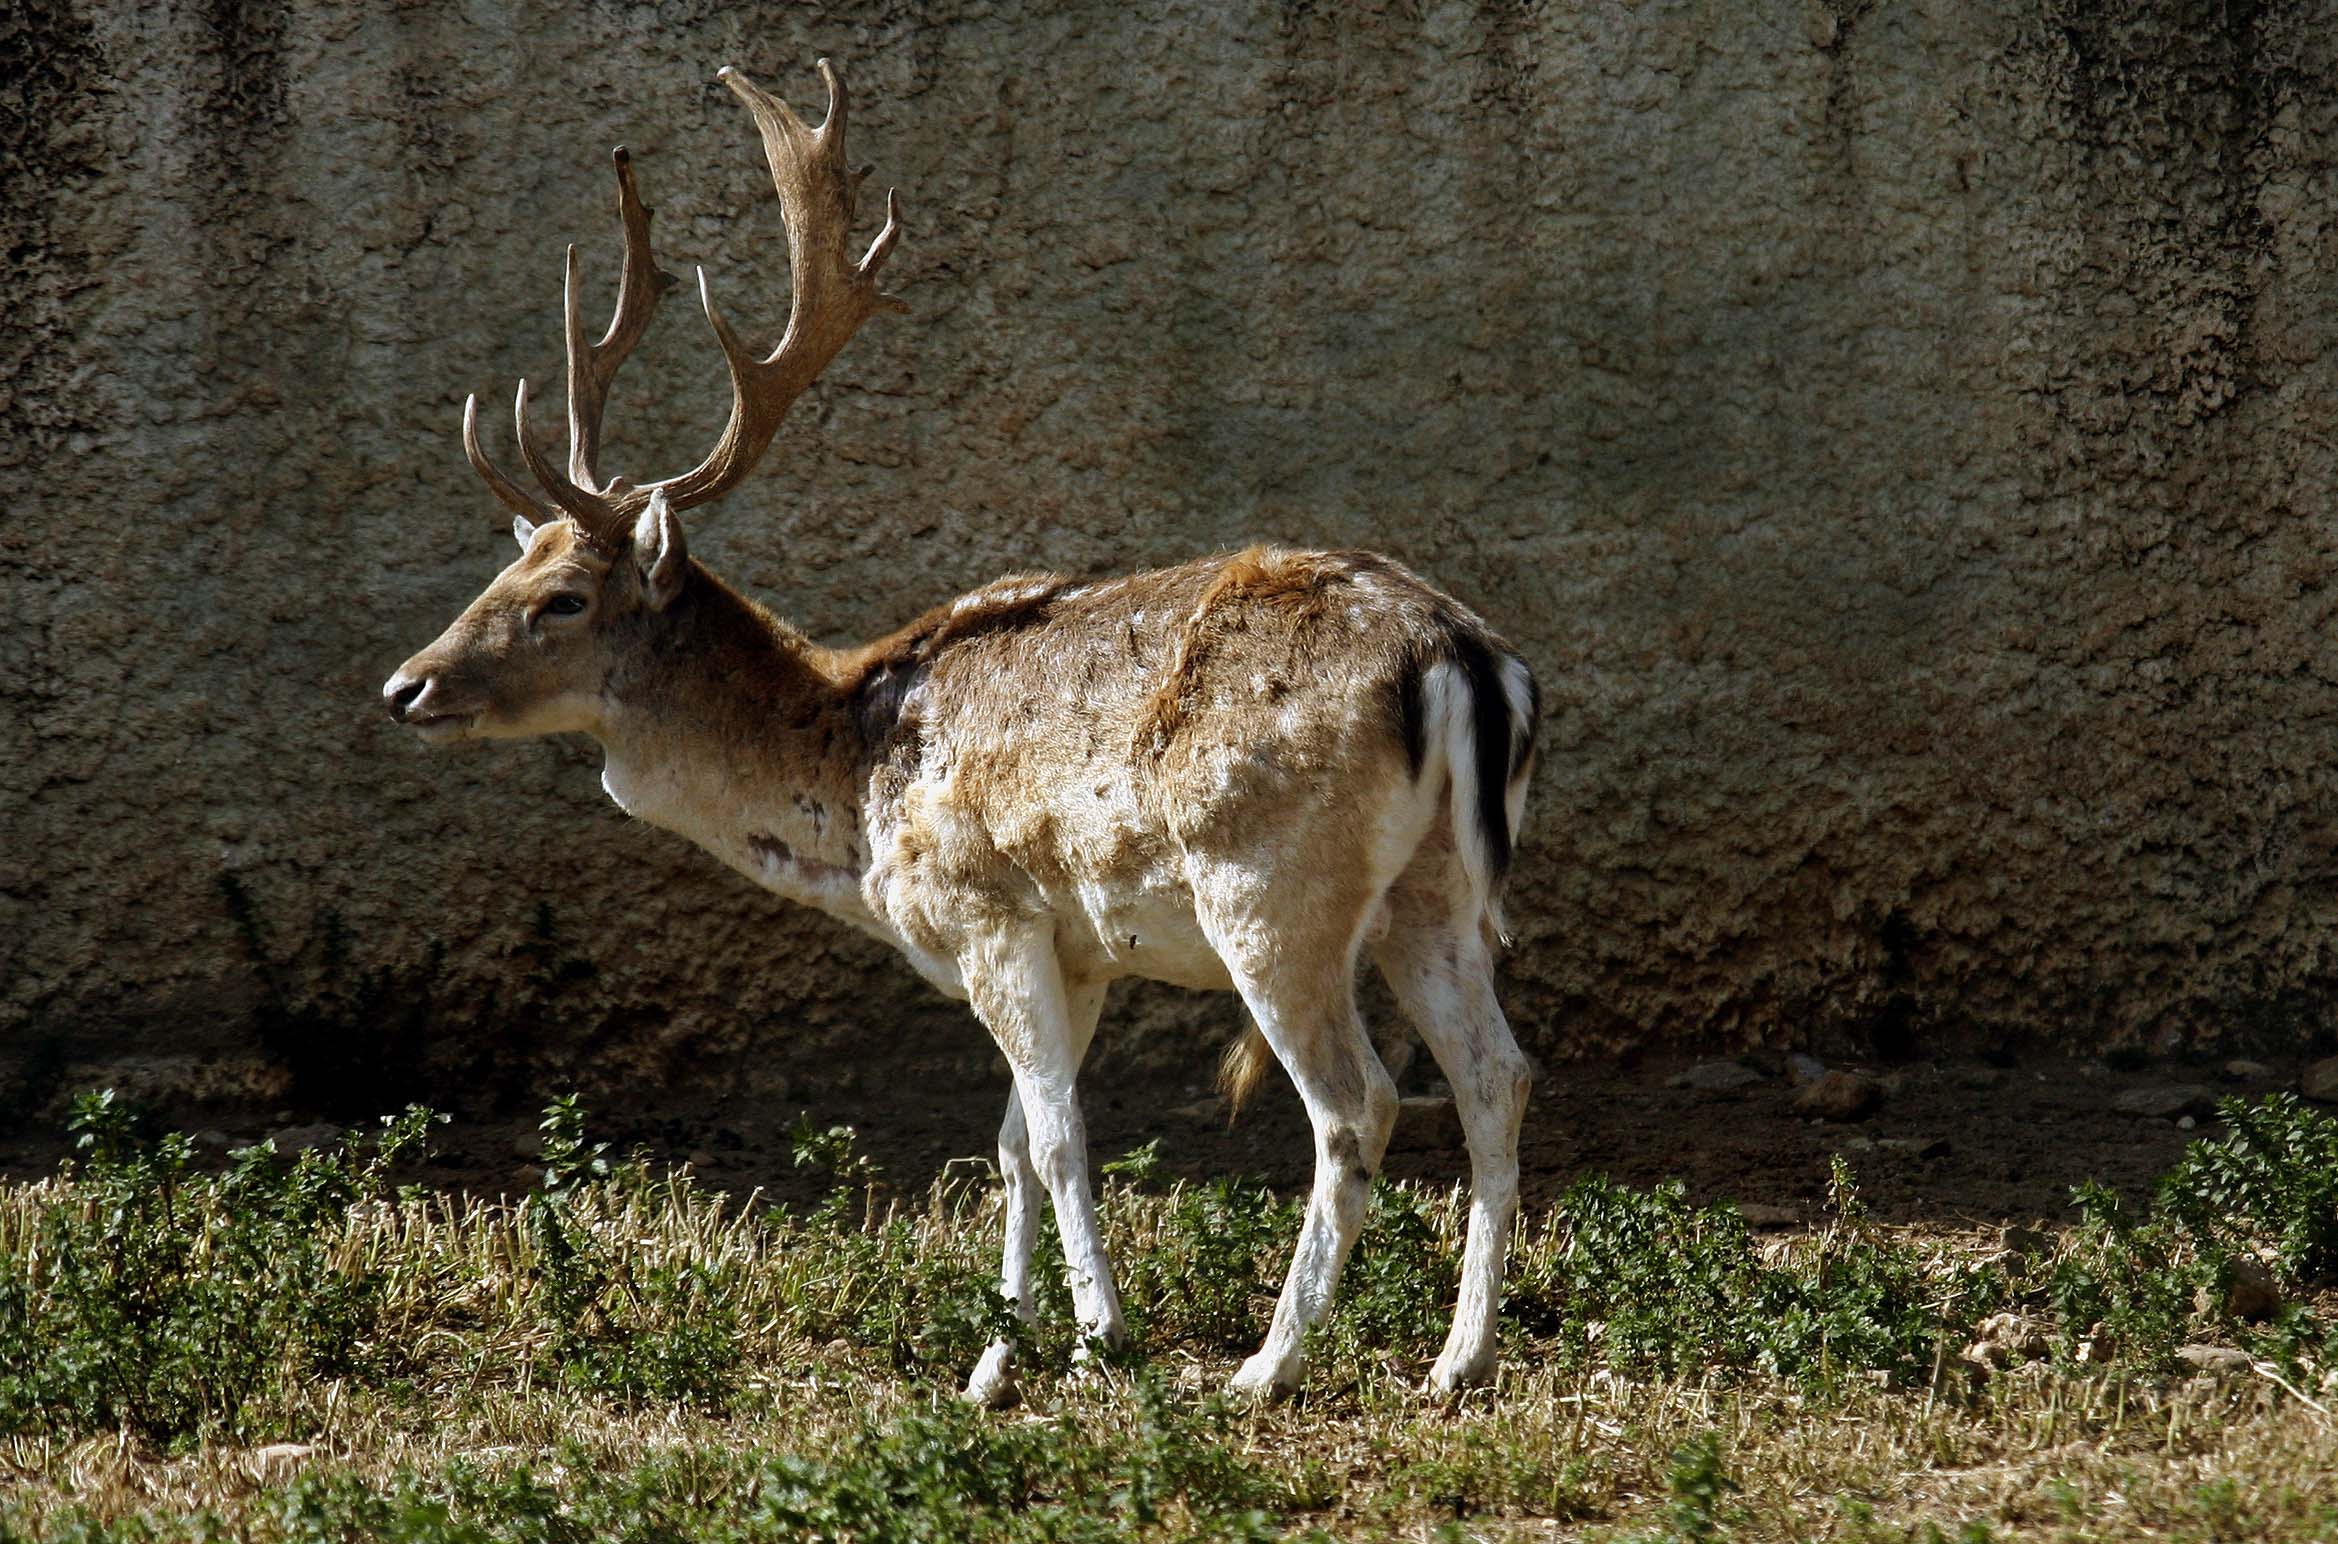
(1016, 986)
(993, 1382)
(1301, 991)
(1437, 963)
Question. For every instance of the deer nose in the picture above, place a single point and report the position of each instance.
(402, 692)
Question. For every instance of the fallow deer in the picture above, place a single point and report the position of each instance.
(1242, 772)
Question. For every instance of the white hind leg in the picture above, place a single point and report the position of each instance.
(1299, 984)
(1437, 963)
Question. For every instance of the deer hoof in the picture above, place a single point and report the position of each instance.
(1263, 1379)
(1452, 1373)
(993, 1386)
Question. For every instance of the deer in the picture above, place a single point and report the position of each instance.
(1247, 772)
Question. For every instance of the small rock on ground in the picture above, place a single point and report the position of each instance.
(2004, 1340)
(2320, 1082)
(2220, 1360)
(1716, 1077)
(1839, 1096)
(1802, 1068)
(299, 1139)
(2242, 1070)
(2250, 1292)
(2166, 1100)
(1920, 1147)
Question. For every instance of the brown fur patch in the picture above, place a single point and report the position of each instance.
(1291, 583)
(1019, 600)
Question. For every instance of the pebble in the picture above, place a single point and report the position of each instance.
(1839, 1096)
(2003, 1340)
(1921, 1147)
(2320, 1081)
(1716, 1077)
(2219, 1360)
(2167, 1099)
(2250, 1292)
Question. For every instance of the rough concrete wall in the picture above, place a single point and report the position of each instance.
(1900, 433)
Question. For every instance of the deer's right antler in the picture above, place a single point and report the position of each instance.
(831, 297)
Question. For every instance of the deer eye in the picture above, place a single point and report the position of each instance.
(565, 605)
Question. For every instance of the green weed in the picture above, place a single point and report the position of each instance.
(1643, 1281)
(147, 1296)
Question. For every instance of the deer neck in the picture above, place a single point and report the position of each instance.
(725, 726)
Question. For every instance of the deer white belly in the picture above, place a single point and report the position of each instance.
(1108, 932)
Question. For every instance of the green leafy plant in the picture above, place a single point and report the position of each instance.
(2270, 1179)
(1205, 1268)
(2125, 1283)
(176, 1303)
(1643, 1280)
(1696, 1510)
(662, 1330)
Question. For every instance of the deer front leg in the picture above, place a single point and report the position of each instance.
(1016, 986)
(993, 1382)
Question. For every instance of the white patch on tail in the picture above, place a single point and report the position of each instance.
(1449, 710)
(1518, 690)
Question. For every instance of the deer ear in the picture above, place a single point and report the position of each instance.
(523, 531)
(658, 552)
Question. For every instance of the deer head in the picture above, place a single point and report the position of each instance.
(602, 561)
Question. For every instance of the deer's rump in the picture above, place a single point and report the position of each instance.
(1070, 748)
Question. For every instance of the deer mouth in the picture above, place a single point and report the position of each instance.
(441, 728)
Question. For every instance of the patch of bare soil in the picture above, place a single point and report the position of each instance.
(1948, 1143)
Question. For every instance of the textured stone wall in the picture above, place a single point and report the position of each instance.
(1902, 435)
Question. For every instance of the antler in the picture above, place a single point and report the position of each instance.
(831, 297)
(641, 284)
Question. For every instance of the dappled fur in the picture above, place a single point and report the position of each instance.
(1241, 772)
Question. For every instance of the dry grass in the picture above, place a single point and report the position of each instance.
(472, 1371)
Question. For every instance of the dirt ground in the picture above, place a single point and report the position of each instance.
(1953, 1143)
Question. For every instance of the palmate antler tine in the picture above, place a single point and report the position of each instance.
(641, 284)
(831, 295)
(602, 521)
(514, 497)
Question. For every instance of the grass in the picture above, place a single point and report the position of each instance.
(621, 1354)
